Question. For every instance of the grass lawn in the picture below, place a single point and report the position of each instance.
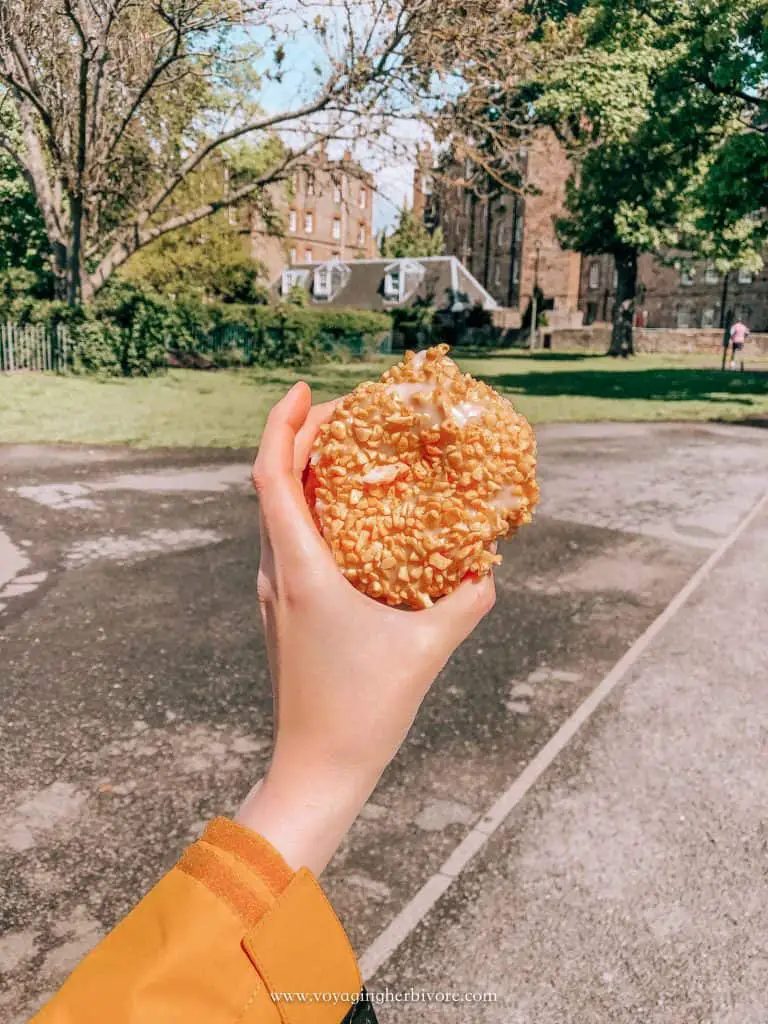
(228, 408)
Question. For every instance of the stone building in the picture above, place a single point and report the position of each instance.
(508, 240)
(328, 213)
(688, 295)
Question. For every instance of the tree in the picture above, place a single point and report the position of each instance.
(23, 246)
(645, 137)
(411, 238)
(121, 101)
(211, 258)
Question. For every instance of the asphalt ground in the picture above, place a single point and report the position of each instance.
(135, 698)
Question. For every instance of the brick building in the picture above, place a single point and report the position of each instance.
(508, 241)
(328, 212)
(691, 295)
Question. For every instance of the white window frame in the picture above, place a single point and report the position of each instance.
(394, 279)
(745, 275)
(711, 275)
(593, 281)
(363, 198)
(708, 317)
(293, 220)
(292, 255)
(309, 222)
(686, 277)
(362, 234)
(338, 193)
(322, 282)
(309, 255)
(291, 277)
(336, 228)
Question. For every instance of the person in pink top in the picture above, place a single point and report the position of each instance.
(739, 334)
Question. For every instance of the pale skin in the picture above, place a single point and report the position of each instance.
(348, 674)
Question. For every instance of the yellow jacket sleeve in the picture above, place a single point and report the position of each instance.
(229, 936)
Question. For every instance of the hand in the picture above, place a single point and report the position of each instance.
(348, 673)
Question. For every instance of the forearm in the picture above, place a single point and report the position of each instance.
(306, 818)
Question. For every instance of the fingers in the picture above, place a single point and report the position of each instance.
(457, 614)
(318, 415)
(287, 519)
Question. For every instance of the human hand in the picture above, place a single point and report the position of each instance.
(348, 673)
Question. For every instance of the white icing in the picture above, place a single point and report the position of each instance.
(464, 412)
(382, 474)
(507, 500)
(425, 409)
(405, 392)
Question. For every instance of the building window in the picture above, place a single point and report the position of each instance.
(594, 276)
(310, 183)
(292, 220)
(322, 283)
(516, 272)
(683, 316)
(290, 278)
(711, 275)
(309, 222)
(361, 235)
(468, 203)
(363, 198)
(337, 193)
(308, 255)
(708, 317)
(744, 276)
(393, 281)
(336, 228)
(292, 255)
(497, 274)
(686, 277)
(500, 236)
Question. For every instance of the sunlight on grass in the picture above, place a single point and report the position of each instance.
(229, 408)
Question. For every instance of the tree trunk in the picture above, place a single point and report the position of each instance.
(75, 261)
(622, 334)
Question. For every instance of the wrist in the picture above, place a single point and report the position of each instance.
(305, 815)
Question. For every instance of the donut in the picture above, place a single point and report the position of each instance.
(416, 475)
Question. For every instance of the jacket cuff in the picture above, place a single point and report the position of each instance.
(293, 939)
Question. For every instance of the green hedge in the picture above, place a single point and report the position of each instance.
(130, 331)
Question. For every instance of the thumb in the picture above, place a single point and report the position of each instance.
(456, 615)
(287, 519)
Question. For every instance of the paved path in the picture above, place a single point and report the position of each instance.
(631, 885)
(134, 687)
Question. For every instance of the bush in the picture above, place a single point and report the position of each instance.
(94, 346)
(133, 331)
(289, 335)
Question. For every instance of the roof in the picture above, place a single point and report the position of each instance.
(441, 281)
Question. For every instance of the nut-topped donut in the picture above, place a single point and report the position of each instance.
(416, 475)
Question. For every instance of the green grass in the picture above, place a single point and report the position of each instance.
(228, 408)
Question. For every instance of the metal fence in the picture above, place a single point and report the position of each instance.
(34, 347)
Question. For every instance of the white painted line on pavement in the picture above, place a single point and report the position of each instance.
(416, 910)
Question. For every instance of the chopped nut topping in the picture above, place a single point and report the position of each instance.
(416, 475)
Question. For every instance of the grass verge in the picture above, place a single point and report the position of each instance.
(228, 408)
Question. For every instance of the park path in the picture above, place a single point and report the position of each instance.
(134, 685)
(631, 883)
